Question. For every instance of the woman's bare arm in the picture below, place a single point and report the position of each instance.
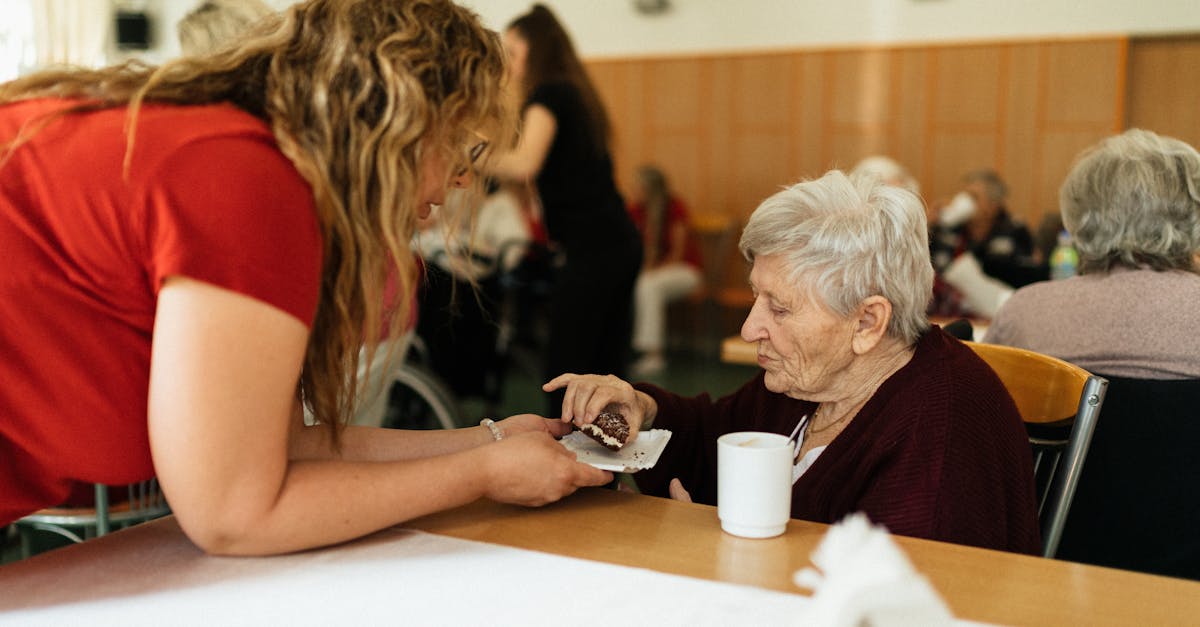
(223, 377)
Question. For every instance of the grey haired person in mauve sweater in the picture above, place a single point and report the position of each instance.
(1132, 315)
(896, 418)
(1132, 206)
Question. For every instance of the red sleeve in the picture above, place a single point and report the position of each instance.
(233, 211)
(676, 211)
(637, 213)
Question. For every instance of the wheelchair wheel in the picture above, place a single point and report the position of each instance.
(419, 400)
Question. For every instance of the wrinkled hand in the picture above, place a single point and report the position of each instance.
(675, 489)
(589, 394)
(532, 423)
(534, 469)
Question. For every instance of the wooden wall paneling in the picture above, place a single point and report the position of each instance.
(618, 84)
(719, 138)
(1078, 106)
(861, 113)
(964, 117)
(929, 177)
(1082, 83)
(703, 183)
(808, 144)
(760, 159)
(967, 86)
(1022, 128)
(1164, 86)
(673, 94)
(673, 112)
(677, 110)
(910, 103)
(793, 84)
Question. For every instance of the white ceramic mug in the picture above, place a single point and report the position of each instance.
(754, 483)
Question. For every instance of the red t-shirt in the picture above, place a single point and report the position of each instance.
(676, 213)
(86, 249)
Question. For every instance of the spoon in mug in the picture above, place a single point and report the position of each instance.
(794, 438)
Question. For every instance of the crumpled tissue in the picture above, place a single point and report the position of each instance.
(863, 578)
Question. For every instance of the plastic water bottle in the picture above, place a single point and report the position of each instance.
(1064, 261)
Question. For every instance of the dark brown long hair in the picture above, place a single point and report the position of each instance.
(358, 93)
(552, 58)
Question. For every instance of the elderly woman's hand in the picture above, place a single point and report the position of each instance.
(588, 394)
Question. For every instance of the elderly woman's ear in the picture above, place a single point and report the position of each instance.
(873, 316)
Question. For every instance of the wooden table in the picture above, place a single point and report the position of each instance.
(670, 537)
(686, 539)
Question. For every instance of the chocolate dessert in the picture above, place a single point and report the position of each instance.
(609, 429)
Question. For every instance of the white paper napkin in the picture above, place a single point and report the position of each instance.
(983, 294)
(640, 454)
(863, 578)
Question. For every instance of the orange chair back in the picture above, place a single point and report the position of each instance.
(1045, 389)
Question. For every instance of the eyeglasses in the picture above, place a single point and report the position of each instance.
(473, 156)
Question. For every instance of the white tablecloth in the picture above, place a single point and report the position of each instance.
(409, 578)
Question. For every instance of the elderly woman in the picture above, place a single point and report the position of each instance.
(897, 419)
(1132, 205)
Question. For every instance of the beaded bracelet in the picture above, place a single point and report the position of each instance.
(491, 425)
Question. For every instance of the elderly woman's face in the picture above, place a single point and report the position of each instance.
(802, 346)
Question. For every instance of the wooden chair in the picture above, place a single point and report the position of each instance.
(145, 501)
(1050, 391)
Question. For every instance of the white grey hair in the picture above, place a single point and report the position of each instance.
(849, 240)
(887, 170)
(1133, 200)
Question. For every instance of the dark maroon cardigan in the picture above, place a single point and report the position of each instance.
(938, 452)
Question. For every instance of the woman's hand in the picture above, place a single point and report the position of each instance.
(532, 423)
(534, 469)
(588, 394)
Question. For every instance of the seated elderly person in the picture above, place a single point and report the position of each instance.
(980, 251)
(1132, 204)
(900, 421)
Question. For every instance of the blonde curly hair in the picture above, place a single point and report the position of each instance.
(358, 93)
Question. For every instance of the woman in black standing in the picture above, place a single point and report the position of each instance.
(564, 150)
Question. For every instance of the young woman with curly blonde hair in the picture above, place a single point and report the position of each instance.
(197, 252)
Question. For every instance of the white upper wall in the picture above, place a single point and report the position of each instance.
(613, 28)
(608, 28)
